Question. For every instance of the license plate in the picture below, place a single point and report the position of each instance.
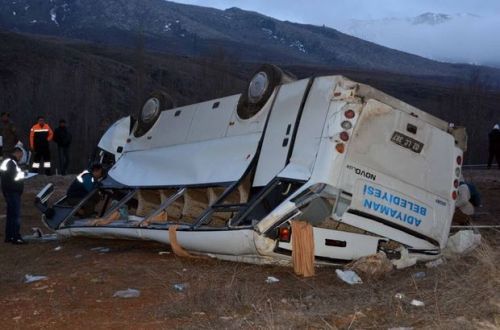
(407, 142)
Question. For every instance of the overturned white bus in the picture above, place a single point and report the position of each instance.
(368, 171)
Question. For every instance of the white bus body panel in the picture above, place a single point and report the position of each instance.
(185, 147)
(116, 136)
(280, 128)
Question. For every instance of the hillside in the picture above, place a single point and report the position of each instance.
(189, 30)
(91, 87)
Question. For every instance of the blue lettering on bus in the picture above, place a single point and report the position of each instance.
(379, 195)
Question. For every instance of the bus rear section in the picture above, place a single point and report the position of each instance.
(396, 184)
(415, 168)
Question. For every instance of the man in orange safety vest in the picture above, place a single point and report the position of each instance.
(40, 136)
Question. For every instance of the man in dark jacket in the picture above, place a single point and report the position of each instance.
(9, 135)
(84, 184)
(494, 150)
(63, 139)
(12, 188)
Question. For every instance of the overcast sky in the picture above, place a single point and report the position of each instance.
(464, 39)
(327, 11)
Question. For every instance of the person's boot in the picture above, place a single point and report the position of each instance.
(18, 241)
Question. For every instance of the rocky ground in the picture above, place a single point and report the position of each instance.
(78, 292)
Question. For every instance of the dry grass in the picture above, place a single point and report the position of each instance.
(463, 293)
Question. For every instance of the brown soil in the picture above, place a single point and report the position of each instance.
(462, 293)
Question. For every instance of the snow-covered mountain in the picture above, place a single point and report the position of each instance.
(463, 37)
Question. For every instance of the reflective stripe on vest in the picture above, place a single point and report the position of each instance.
(80, 176)
(19, 173)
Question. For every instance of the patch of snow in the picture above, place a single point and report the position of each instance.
(298, 45)
(53, 16)
(267, 31)
(430, 19)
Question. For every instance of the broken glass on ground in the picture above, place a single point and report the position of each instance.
(181, 287)
(348, 276)
(101, 249)
(272, 279)
(28, 278)
(129, 293)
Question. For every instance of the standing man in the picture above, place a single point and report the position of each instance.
(63, 139)
(40, 136)
(494, 151)
(9, 135)
(12, 188)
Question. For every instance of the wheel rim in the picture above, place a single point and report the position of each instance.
(150, 110)
(257, 87)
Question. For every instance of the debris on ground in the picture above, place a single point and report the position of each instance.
(462, 242)
(181, 287)
(33, 278)
(413, 302)
(417, 303)
(374, 266)
(163, 252)
(405, 261)
(434, 263)
(129, 293)
(272, 279)
(348, 276)
(418, 275)
(400, 296)
(58, 248)
(101, 249)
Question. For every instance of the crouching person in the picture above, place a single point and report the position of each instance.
(12, 188)
(468, 199)
(84, 184)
